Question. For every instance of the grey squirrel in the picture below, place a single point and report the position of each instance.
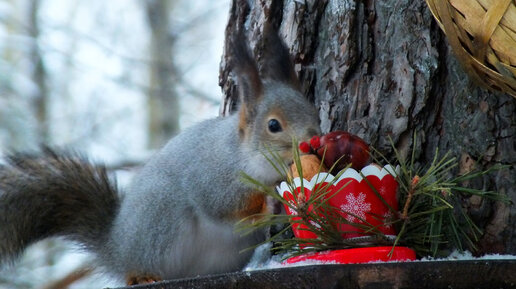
(177, 217)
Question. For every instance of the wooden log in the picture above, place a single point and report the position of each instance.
(436, 274)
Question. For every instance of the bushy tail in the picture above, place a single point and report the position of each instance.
(51, 194)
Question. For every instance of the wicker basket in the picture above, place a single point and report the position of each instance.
(482, 33)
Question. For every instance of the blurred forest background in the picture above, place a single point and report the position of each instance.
(111, 79)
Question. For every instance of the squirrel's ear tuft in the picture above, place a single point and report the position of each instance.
(250, 87)
(277, 62)
(249, 83)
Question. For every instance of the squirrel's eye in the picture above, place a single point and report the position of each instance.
(274, 126)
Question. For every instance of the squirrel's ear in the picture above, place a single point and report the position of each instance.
(250, 87)
(277, 62)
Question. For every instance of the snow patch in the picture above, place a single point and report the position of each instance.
(466, 255)
(275, 262)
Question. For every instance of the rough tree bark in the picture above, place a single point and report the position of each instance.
(383, 68)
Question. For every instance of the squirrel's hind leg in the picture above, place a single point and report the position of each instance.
(135, 279)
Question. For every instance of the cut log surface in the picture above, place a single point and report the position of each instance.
(435, 274)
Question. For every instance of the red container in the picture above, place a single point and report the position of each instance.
(358, 255)
(354, 195)
(295, 198)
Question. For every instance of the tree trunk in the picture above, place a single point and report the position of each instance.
(381, 69)
(39, 75)
(163, 100)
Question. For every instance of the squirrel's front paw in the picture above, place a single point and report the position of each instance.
(135, 279)
(255, 203)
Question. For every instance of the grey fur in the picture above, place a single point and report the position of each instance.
(177, 217)
(49, 194)
(187, 189)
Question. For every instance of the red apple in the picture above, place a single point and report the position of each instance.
(343, 148)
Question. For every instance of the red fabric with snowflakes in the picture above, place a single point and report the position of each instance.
(359, 204)
(300, 230)
(356, 201)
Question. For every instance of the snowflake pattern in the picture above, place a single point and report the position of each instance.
(388, 218)
(355, 206)
(291, 211)
(316, 225)
(383, 190)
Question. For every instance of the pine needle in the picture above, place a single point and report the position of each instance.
(431, 220)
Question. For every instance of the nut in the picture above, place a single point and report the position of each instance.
(310, 164)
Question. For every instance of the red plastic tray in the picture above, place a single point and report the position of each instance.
(358, 255)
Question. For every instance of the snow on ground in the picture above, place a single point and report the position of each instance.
(262, 260)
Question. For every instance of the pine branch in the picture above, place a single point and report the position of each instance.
(431, 219)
